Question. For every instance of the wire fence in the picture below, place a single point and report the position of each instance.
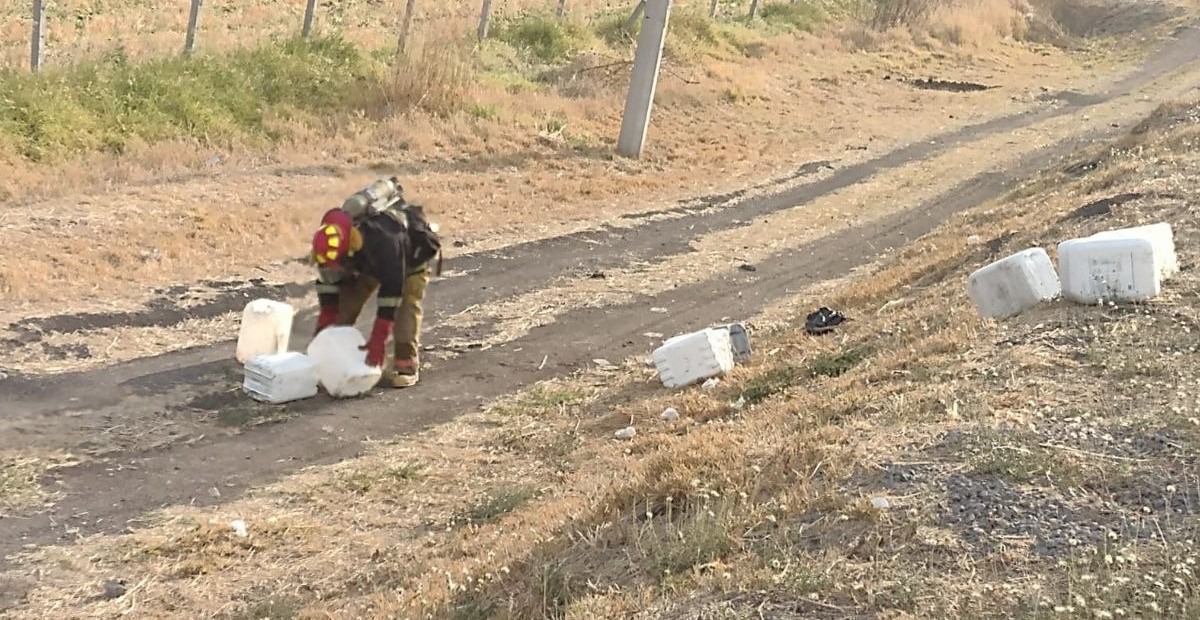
(37, 34)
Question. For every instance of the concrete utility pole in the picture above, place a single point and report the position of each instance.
(309, 9)
(485, 19)
(643, 79)
(409, 8)
(37, 37)
(189, 42)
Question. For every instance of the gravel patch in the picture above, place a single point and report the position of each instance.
(988, 511)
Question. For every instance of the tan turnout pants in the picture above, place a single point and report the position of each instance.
(406, 332)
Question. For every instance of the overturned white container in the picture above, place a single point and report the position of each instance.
(1116, 269)
(739, 340)
(1161, 237)
(342, 368)
(1013, 284)
(281, 377)
(266, 329)
(688, 358)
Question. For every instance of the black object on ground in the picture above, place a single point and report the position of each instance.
(823, 321)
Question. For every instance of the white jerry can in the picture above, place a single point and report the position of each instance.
(1117, 269)
(266, 329)
(341, 366)
(689, 358)
(1161, 237)
(1013, 284)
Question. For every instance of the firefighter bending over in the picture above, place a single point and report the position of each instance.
(377, 241)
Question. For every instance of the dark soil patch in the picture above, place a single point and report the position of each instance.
(164, 310)
(1081, 168)
(715, 200)
(948, 85)
(1100, 208)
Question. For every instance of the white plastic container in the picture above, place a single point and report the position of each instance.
(281, 377)
(1013, 284)
(266, 329)
(1160, 235)
(739, 340)
(1115, 269)
(689, 358)
(342, 368)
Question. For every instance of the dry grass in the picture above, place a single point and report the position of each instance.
(80, 30)
(1038, 467)
(21, 478)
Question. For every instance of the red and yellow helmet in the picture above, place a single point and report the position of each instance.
(336, 238)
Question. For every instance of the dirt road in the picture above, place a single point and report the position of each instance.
(175, 429)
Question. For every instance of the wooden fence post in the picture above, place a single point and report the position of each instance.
(409, 8)
(485, 19)
(714, 8)
(37, 40)
(753, 9)
(189, 44)
(309, 10)
(562, 9)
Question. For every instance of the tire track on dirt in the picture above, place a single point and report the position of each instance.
(106, 496)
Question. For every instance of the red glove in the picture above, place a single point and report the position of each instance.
(326, 318)
(375, 346)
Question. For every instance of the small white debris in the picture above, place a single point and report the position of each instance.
(626, 433)
(3, 375)
(711, 384)
(739, 403)
(974, 240)
(880, 502)
(660, 310)
(214, 491)
(652, 335)
(669, 414)
(239, 528)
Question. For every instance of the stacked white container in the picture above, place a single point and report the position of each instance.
(1114, 268)
(1160, 235)
(281, 377)
(1013, 284)
(690, 358)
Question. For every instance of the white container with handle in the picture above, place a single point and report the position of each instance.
(266, 329)
(690, 358)
(342, 366)
(1013, 284)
